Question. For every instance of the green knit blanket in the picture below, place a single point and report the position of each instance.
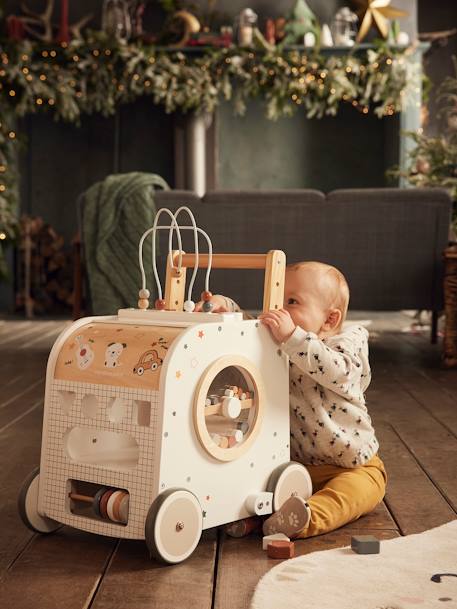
(115, 214)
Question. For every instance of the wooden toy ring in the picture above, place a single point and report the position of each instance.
(123, 508)
(117, 515)
(97, 498)
(110, 505)
(104, 502)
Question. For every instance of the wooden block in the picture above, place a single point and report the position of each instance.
(281, 549)
(365, 544)
(276, 537)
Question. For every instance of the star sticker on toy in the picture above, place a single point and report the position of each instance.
(377, 12)
(178, 374)
(201, 334)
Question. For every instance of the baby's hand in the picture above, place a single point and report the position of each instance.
(220, 304)
(279, 323)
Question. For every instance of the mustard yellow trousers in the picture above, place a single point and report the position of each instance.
(342, 495)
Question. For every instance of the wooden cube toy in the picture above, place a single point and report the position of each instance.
(365, 544)
(267, 539)
(135, 444)
(281, 549)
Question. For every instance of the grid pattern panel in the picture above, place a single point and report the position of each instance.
(57, 468)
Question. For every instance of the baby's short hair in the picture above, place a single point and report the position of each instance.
(340, 293)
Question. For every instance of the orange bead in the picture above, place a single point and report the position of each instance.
(206, 296)
(160, 304)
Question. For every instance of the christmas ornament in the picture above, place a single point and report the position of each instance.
(43, 20)
(326, 36)
(40, 26)
(300, 21)
(116, 20)
(183, 24)
(64, 31)
(247, 20)
(403, 39)
(422, 165)
(270, 31)
(15, 28)
(136, 17)
(376, 12)
(344, 27)
(309, 39)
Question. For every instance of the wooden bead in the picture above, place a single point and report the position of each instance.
(189, 306)
(223, 443)
(281, 549)
(143, 303)
(144, 293)
(207, 306)
(206, 296)
(160, 304)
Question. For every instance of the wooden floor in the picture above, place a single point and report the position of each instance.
(413, 403)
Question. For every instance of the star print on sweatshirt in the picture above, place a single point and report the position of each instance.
(329, 421)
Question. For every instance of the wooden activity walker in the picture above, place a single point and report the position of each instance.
(160, 423)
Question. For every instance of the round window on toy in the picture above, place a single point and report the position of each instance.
(228, 407)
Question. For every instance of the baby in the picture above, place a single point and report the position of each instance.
(331, 431)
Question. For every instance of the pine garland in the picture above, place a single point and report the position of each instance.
(98, 75)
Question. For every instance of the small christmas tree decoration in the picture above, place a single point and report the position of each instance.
(376, 12)
(300, 21)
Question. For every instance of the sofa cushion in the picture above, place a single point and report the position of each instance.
(389, 244)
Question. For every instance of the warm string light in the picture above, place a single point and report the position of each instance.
(2, 236)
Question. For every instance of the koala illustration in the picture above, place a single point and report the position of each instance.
(84, 353)
(113, 353)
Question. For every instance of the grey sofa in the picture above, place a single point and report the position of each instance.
(387, 242)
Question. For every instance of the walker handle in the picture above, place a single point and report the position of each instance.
(274, 263)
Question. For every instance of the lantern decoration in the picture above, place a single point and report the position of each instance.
(116, 20)
(344, 27)
(247, 21)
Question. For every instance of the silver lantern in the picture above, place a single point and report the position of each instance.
(344, 27)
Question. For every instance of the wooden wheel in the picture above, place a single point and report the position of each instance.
(289, 479)
(173, 526)
(27, 506)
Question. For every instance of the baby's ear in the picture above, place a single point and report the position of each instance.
(333, 319)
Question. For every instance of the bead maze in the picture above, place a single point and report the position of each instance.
(160, 423)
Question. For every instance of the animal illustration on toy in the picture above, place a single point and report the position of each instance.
(160, 423)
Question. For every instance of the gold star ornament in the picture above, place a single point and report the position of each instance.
(376, 12)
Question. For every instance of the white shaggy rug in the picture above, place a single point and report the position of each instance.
(400, 577)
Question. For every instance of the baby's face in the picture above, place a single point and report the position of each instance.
(306, 298)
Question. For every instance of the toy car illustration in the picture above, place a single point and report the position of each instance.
(149, 360)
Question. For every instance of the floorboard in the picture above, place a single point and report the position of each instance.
(413, 404)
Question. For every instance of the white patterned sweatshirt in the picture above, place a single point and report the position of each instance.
(329, 422)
